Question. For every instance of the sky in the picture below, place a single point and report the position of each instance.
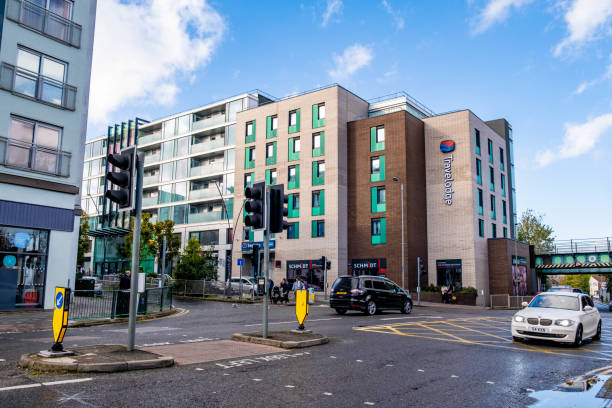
(544, 65)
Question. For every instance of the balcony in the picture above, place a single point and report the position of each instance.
(203, 193)
(149, 138)
(208, 216)
(215, 167)
(148, 180)
(37, 87)
(27, 156)
(149, 201)
(44, 21)
(152, 158)
(216, 120)
(207, 146)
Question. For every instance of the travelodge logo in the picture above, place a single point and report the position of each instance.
(447, 146)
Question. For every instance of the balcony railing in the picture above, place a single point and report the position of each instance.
(206, 123)
(18, 154)
(209, 145)
(44, 21)
(148, 180)
(148, 138)
(148, 201)
(37, 87)
(203, 193)
(152, 158)
(205, 217)
(206, 170)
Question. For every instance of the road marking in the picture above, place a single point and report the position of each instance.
(368, 403)
(332, 356)
(76, 380)
(18, 387)
(412, 317)
(420, 371)
(388, 365)
(1, 360)
(226, 373)
(289, 386)
(529, 390)
(256, 379)
(327, 393)
(454, 376)
(293, 321)
(199, 369)
(490, 382)
(359, 361)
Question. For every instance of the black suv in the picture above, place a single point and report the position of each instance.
(368, 294)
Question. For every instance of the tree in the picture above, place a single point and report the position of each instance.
(146, 238)
(173, 242)
(576, 281)
(195, 264)
(84, 242)
(532, 230)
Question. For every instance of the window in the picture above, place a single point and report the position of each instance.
(493, 230)
(271, 153)
(293, 178)
(318, 173)
(478, 172)
(34, 145)
(318, 202)
(504, 213)
(480, 202)
(271, 176)
(167, 150)
(505, 232)
(318, 115)
(379, 231)
(481, 228)
(377, 168)
(492, 178)
(503, 185)
(501, 159)
(166, 171)
(492, 206)
(250, 132)
(378, 199)
(56, 24)
(490, 146)
(271, 126)
(248, 179)
(169, 128)
(477, 140)
(377, 138)
(249, 161)
(181, 168)
(294, 148)
(293, 231)
(318, 144)
(294, 121)
(318, 228)
(293, 207)
(40, 77)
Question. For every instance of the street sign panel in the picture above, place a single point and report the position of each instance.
(240, 261)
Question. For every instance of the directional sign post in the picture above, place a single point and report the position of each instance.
(301, 307)
(61, 307)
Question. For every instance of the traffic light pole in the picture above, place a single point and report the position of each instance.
(266, 260)
(135, 253)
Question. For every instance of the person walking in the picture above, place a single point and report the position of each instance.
(284, 286)
(297, 285)
(270, 287)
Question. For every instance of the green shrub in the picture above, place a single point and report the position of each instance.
(469, 290)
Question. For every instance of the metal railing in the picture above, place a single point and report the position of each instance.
(505, 301)
(38, 87)
(34, 157)
(573, 246)
(44, 21)
(202, 288)
(109, 304)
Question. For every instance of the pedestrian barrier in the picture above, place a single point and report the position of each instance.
(109, 304)
(202, 288)
(505, 301)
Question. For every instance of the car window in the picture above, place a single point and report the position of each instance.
(583, 301)
(367, 284)
(379, 285)
(556, 302)
(345, 283)
(234, 280)
(389, 286)
(590, 301)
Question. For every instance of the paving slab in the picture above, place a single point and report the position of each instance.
(206, 351)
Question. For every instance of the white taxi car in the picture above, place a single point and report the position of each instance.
(564, 317)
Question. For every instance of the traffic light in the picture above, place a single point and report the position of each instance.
(121, 189)
(278, 211)
(421, 267)
(246, 234)
(255, 206)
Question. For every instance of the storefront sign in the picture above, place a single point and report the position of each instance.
(448, 180)
(21, 240)
(9, 261)
(247, 246)
(372, 266)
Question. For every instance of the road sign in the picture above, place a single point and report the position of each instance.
(301, 306)
(240, 261)
(60, 316)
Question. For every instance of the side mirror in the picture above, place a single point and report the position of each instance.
(524, 304)
(588, 308)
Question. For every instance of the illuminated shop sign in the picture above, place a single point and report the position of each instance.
(448, 146)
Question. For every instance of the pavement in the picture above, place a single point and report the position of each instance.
(436, 356)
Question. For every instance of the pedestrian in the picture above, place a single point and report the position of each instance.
(125, 282)
(284, 291)
(444, 293)
(297, 285)
(270, 287)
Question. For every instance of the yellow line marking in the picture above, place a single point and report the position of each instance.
(479, 331)
(448, 334)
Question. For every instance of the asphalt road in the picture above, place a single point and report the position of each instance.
(433, 357)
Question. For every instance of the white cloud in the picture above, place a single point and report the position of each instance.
(333, 7)
(142, 48)
(589, 84)
(389, 75)
(585, 19)
(354, 57)
(398, 20)
(495, 11)
(578, 140)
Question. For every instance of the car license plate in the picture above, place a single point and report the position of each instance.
(341, 293)
(538, 329)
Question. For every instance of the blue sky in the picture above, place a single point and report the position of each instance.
(545, 66)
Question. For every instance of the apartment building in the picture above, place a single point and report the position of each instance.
(45, 55)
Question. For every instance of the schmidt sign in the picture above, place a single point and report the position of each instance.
(448, 146)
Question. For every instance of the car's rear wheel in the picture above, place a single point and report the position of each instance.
(371, 308)
(340, 311)
(578, 338)
(407, 308)
(597, 335)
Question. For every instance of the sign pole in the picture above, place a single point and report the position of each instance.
(418, 283)
(163, 262)
(266, 261)
(240, 296)
(135, 254)
(325, 277)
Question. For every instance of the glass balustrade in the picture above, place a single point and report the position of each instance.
(207, 216)
(148, 180)
(148, 201)
(152, 158)
(203, 193)
(148, 138)
(207, 169)
(209, 122)
(209, 145)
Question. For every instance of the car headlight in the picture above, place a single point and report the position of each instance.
(564, 322)
(519, 319)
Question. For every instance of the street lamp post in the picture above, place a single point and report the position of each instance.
(396, 179)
